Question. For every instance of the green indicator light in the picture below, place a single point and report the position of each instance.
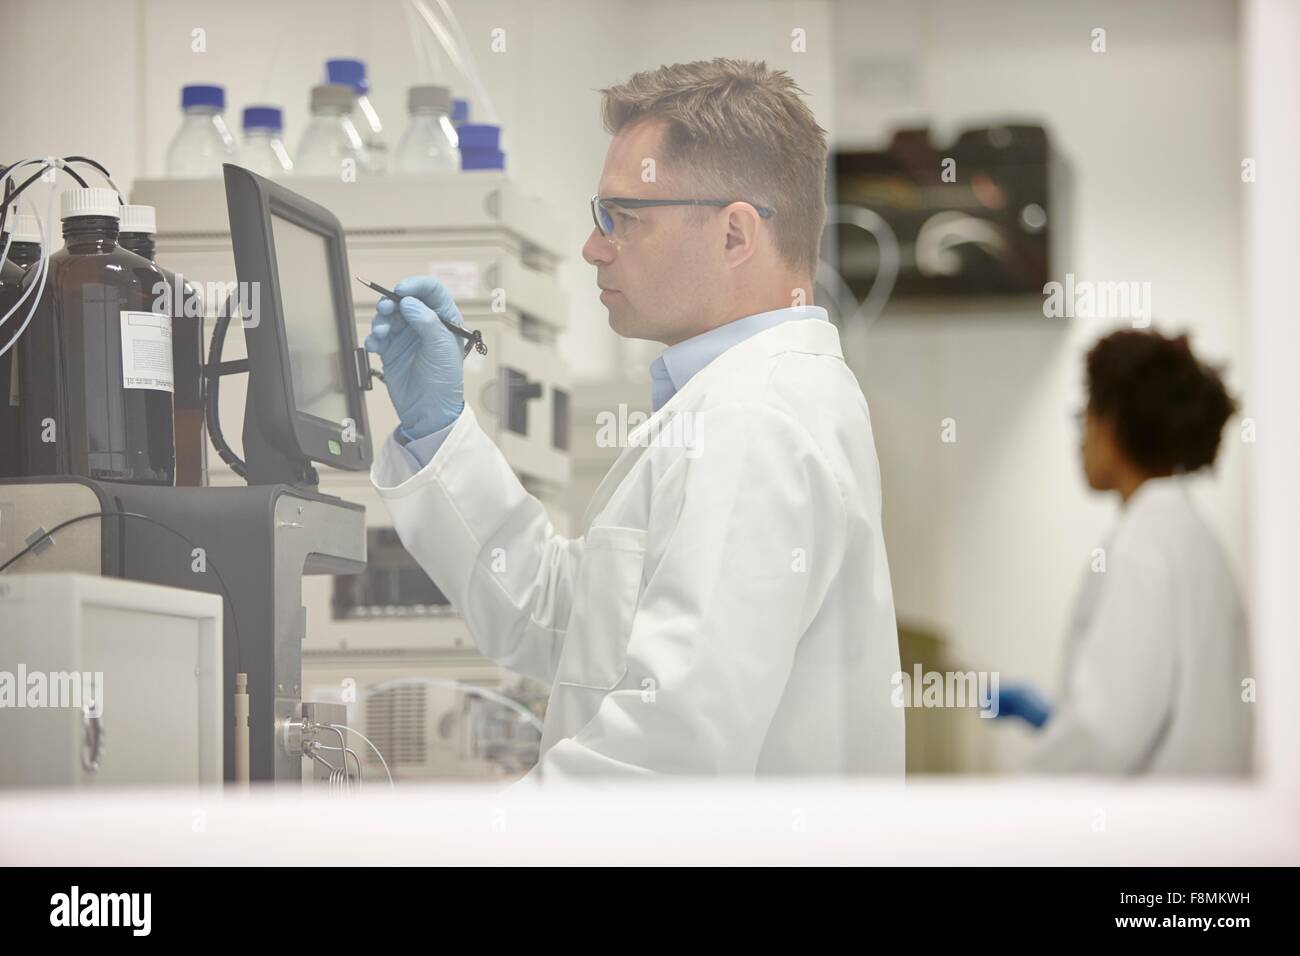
(335, 447)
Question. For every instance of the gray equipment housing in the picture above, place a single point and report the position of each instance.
(261, 539)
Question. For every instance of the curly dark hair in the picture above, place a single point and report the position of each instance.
(1167, 408)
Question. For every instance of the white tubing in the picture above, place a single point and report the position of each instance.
(425, 51)
(43, 265)
(457, 50)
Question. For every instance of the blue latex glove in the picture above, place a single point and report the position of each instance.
(1025, 702)
(423, 361)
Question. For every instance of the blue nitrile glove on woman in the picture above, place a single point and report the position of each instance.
(1023, 701)
(423, 361)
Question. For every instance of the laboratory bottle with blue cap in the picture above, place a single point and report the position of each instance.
(203, 143)
(263, 149)
(345, 71)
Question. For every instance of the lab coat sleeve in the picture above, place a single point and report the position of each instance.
(1119, 685)
(486, 542)
(423, 449)
(742, 543)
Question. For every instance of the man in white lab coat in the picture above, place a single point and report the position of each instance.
(1156, 676)
(726, 607)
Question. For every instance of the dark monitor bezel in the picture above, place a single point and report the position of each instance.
(252, 201)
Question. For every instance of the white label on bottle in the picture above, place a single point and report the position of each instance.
(460, 278)
(147, 351)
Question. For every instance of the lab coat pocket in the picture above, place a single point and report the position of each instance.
(609, 585)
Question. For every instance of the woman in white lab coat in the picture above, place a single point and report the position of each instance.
(1156, 674)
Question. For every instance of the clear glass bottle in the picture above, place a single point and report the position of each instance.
(352, 73)
(331, 145)
(203, 142)
(429, 144)
(263, 149)
(95, 364)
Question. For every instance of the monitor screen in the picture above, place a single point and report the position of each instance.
(310, 320)
(306, 384)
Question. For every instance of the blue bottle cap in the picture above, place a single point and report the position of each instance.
(346, 72)
(203, 95)
(479, 136)
(482, 159)
(264, 117)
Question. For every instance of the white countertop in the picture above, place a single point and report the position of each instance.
(806, 821)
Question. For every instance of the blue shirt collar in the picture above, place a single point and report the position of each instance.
(679, 363)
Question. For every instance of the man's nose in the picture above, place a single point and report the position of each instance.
(597, 250)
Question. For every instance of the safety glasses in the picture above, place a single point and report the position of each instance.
(610, 213)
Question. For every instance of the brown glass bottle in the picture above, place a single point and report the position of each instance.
(11, 284)
(187, 364)
(79, 413)
(23, 254)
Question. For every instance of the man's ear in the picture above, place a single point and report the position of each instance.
(742, 232)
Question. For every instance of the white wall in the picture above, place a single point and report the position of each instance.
(70, 91)
(989, 537)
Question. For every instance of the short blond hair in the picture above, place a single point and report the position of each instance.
(743, 130)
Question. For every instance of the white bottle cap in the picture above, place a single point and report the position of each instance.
(428, 98)
(332, 96)
(137, 218)
(95, 201)
(26, 229)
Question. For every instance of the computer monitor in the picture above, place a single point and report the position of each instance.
(306, 374)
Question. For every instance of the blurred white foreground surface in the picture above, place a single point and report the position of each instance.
(803, 822)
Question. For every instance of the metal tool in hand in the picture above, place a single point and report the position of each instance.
(473, 339)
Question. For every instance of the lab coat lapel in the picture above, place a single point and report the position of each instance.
(814, 336)
(629, 457)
